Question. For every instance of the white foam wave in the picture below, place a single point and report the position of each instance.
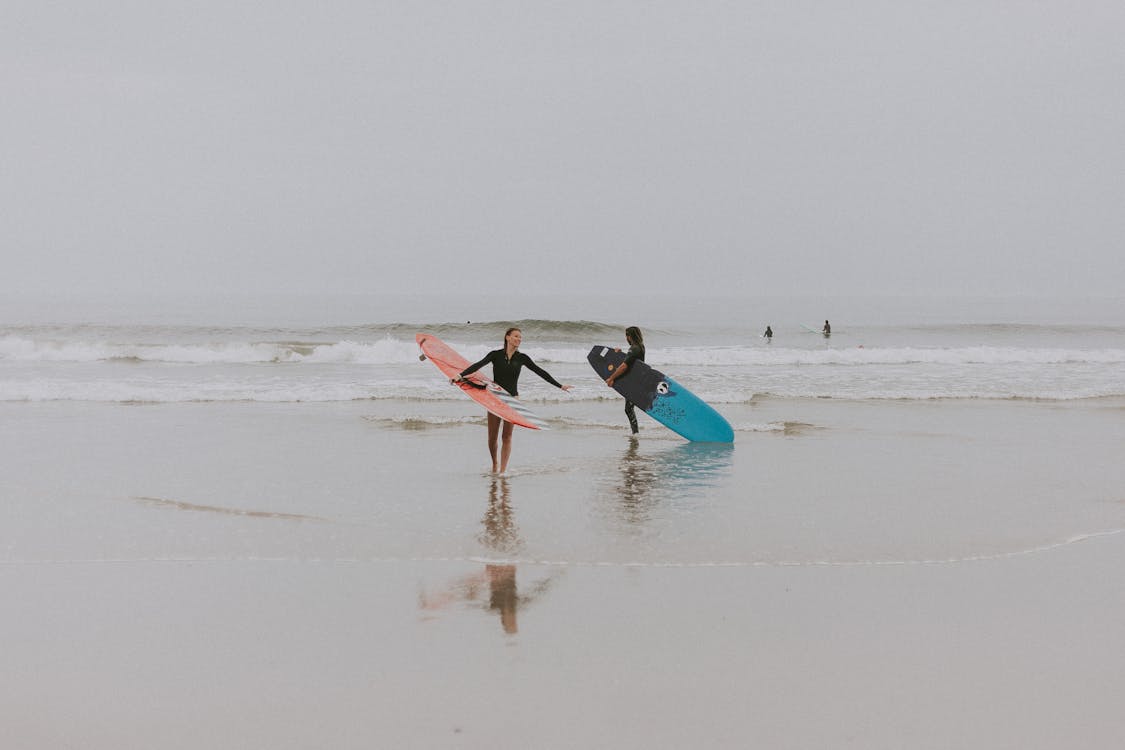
(296, 390)
(140, 392)
(34, 368)
(385, 351)
(740, 356)
(771, 427)
(390, 350)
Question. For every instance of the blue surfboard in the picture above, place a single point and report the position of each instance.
(662, 398)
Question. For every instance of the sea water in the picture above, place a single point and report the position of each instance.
(308, 349)
(308, 428)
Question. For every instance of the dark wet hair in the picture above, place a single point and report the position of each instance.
(634, 334)
(508, 333)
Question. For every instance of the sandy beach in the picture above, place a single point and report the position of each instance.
(330, 575)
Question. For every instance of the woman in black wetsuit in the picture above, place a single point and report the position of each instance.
(506, 366)
(636, 342)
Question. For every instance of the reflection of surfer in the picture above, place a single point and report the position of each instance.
(500, 535)
(667, 476)
(502, 594)
(506, 365)
(638, 474)
(500, 532)
(636, 341)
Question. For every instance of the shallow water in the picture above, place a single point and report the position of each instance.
(816, 483)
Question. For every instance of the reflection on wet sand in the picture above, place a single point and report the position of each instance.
(647, 480)
(638, 475)
(500, 534)
(503, 596)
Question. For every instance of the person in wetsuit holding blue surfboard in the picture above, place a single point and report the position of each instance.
(506, 366)
(636, 341)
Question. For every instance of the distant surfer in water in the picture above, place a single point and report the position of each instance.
(769, 335)
(827, 330)
(636, 351)
(506, 365)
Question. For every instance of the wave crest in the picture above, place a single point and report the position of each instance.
(391, 349)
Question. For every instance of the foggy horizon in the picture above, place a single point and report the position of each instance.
(704, 149)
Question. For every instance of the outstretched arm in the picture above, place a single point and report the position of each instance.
(543, 373)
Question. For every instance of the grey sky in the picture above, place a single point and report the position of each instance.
(741, 148)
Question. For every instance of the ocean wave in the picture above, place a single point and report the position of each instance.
(546, 402)
(972, 355)
(490, 332)
(132, 397)
(390, 350)
(486, 330)
(383, 351)
(1062, 329)
(494, 330)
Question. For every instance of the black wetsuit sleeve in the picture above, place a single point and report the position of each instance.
(473, 368)
(635, 353)
(539, 371)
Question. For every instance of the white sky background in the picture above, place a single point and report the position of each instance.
(698, 147)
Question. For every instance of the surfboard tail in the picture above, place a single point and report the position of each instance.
(534, 421)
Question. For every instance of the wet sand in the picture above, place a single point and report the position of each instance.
(291, 576)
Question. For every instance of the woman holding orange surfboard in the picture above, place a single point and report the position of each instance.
(506, 366)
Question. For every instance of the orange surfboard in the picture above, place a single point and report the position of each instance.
(477, 387)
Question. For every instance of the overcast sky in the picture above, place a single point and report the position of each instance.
(735, 148)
